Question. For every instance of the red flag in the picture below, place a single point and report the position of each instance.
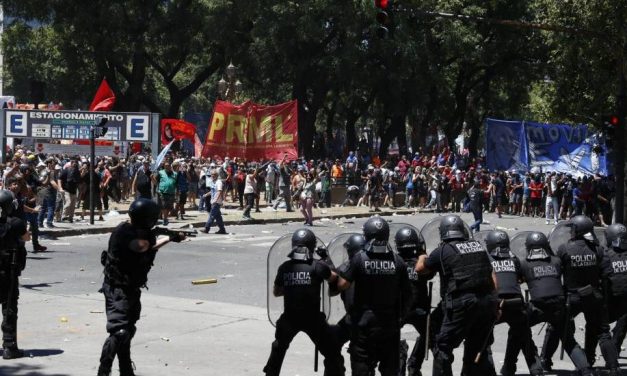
(172, 129)
(104, 98)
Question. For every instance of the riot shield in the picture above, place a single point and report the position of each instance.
(277, 255)
(394, 227)
(517, 244)
(338, 254)
(430, 232)
(560, 234)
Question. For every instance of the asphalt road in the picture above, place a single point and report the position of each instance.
(71, 269)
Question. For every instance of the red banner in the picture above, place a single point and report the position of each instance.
(172, 129)
(253, 131)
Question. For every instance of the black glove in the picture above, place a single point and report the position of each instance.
(177, 237)
(322, 252)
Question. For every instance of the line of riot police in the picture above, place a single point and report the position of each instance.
(384, 284)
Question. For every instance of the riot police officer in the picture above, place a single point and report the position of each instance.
(13, 234)
(543, 273)
(410, 245)
(382, 295)
(299, 281)
(581, 262)
(470, 304)
(508, 274)
(614, 271)
(354, 244)
(131, 251)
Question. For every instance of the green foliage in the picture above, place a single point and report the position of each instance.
(431, 71)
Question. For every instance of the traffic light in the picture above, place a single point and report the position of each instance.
(610, 123)
(383, 17)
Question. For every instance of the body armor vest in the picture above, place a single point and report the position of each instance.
(544, 278)
(506, 270)
(124, 267)
(581, 264)
(470, 269)
(618, 276)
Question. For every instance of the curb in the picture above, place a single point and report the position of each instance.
(231, 222)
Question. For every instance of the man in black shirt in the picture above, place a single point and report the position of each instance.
(469, 301)
(13, 234)
(142, 183)
(581, 262)
(543, 273)
(299, 281)
(127, 261)
(382, 297)
(69, 179)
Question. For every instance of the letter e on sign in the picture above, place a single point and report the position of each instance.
(137, 128)
(15, 122)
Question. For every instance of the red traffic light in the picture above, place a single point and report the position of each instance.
(614, 120)
(381, 4)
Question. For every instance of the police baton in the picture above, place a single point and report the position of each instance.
(567, 320)
(316, 358)
(428, 321)
(12, 283)
(487, 338)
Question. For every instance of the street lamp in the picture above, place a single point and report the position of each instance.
(229, 88)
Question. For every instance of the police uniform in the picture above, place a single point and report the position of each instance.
(417, 316)
(469, 304)
(543, 274)
(508, 273)
(126, 271)
(581, 264)
(410, 245)
(381, 288)
(614, 273)
(11, 251)
(300, 281)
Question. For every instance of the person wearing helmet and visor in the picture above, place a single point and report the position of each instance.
(12, 261)
(299, 281)
(410, 246)
(131, 251)
(382, 297)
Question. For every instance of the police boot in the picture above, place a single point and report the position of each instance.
(403, 357)
(508, 370)
(102, 371)
(547, 364)
(12, 353)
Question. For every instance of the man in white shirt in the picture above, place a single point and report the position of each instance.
(217, 196)
(551, 198)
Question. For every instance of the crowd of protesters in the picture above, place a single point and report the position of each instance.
(56, 188)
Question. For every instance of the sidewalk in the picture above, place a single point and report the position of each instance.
(194, 218)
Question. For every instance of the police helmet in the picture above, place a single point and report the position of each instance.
(7, 203)
(376, 228)
(144, 213)
(354, 244)
(616, 236)
(537, 245)
(452, 227)
(580, 226)
(497, 242)
(409, 243)
(303, 244)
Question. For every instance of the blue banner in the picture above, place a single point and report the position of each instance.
(522, 146)
(506, 146)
